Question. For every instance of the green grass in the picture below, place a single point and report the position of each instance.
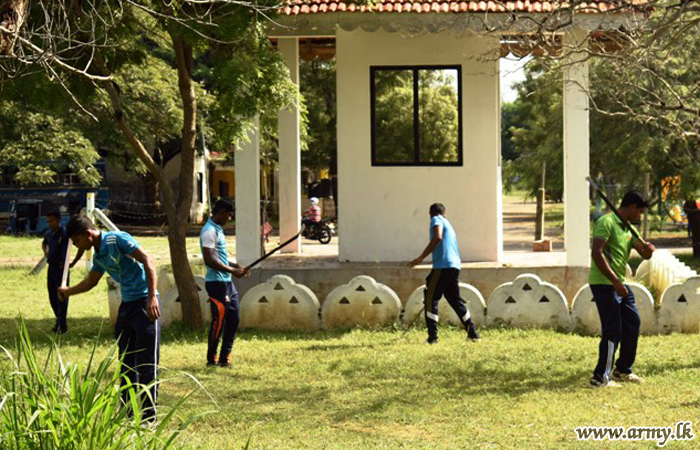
(20, 247)
(366, 389)
(687, 259)
(516, 196)
(30, 247)
(554, 216)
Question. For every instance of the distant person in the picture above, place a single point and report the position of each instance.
(55, 246)
(690, 208)
(312, 215)
(444, 277)
(692, 214)
(138, 326)
(223, 296)
(619, 317)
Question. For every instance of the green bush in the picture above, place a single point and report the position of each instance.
(52, 404)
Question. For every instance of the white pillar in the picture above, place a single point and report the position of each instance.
(247, 165)
(576, 150)
(289, 154)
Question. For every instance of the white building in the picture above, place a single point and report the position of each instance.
(384, 191)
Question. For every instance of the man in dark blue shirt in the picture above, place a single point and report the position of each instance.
(55, 246)
(138, 328)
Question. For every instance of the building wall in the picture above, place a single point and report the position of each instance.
(223, 175)
(384, 210)
(172, 171)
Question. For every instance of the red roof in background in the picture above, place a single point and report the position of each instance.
(297, 7)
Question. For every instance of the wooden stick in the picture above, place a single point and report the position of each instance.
(39, 267)
(265, 256)
(625, 224)
(66, 265)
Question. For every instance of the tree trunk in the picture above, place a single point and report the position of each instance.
(189, 297)
(184, 280)
(12, 15)
(177, 222)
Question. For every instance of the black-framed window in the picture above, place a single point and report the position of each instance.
(416, 115)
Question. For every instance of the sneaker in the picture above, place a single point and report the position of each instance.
(432, 341)
(626, 377)
(211, 363)
(596, 383)
(473, 335)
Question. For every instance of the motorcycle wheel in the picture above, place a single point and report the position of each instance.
(324, 235)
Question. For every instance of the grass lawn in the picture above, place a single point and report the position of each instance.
(353, 389)
(30, 246)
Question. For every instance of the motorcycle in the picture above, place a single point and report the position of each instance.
(320, 231)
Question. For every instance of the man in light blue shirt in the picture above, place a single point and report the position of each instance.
(223, 296)
(138, 328)
(444, 278)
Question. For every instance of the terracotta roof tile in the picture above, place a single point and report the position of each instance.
(297, 7)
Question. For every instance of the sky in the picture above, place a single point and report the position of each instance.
(511, 72)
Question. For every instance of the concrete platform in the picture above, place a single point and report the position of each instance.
(318, 268)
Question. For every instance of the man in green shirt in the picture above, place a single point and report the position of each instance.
(619, 317)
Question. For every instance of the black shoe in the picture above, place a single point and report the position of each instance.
(62, 330)
(55, 329)
(472, 334)
(225, 362)
(432, 341)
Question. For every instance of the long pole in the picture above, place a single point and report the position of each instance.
(66, 265)
(625, 223)
(265, 256)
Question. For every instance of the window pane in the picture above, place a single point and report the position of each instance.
(393, 116)
(438, 115)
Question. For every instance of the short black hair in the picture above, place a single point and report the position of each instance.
(222, 205)
(634, 197)
(54, 213)
(437, 208)
(79, 225)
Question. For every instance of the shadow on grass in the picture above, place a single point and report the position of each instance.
(350, 401)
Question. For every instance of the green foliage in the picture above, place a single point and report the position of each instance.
(54, 404)
(247, 78)
(538, 139)
(622, 148)
(438, 116)
(236, 71)
(42, 145)
(318, 90)
(508, 123)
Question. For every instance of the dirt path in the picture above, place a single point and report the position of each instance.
(519, 226)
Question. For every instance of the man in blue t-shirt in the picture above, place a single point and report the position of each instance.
(138, 328)
(444, 278)
(223, 296)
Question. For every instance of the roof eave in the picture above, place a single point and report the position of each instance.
(326, 24)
